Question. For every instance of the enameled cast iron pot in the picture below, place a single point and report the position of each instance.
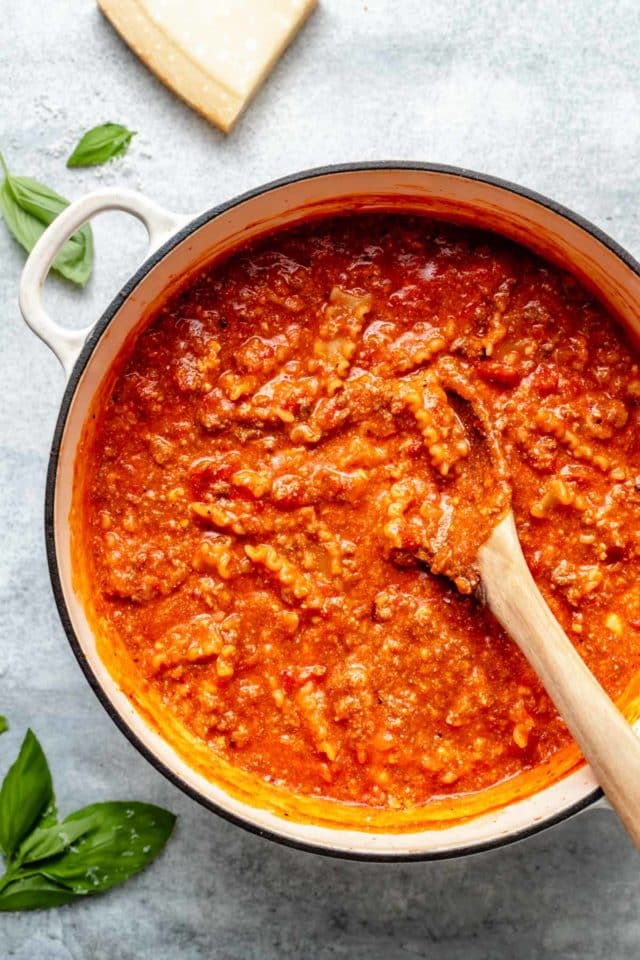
(180, 245)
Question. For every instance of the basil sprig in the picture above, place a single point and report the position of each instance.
(4, 726)
(49, 863)
(26, 793)
(101, 144)
(28, 207)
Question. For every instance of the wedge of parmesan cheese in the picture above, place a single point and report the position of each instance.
(212, 53)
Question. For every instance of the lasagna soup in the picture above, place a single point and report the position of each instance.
(275, 449)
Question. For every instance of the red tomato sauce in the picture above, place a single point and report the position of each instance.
(278, 447)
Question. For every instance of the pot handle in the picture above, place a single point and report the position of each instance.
(65, 343)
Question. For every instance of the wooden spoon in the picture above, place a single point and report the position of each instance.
(510, 592)
(602, 733)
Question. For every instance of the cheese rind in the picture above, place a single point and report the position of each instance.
(216, 55)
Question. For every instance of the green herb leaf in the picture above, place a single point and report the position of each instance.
(93, 849)
(49, 841)
(28, 207)
(4, 726)
(101, 144)
(50, 816)
(25, 794)
(34, 892)
(123, 839)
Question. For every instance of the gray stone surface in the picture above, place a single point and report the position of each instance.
(544, 93)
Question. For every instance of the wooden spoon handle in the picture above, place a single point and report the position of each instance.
(604, 736)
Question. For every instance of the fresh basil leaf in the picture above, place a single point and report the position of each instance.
(50, 816)
(123, 839)
(101, 144)
(25, 228)
(28, 207)
(4, 726)
(48, 819)
(25, 794)
(49, 841)
(34, 892)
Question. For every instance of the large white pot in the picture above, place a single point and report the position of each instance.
(180, 245)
